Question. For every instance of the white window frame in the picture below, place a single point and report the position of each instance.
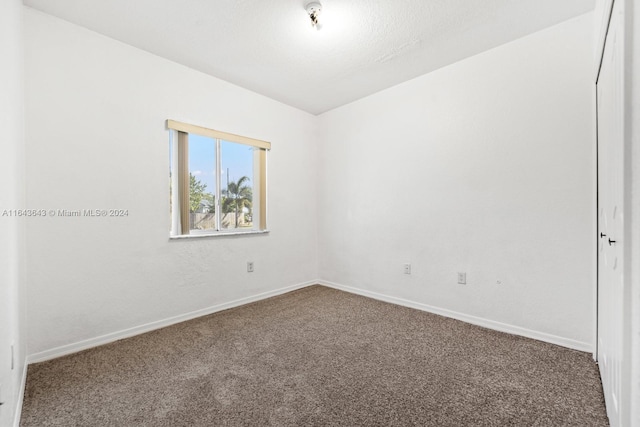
(179, 143)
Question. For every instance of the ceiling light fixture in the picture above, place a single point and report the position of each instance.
(314, 9)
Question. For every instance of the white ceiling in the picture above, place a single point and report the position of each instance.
(268, 46)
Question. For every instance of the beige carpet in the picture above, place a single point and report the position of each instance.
(318, 357)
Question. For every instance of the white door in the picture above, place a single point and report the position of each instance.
(610, 92)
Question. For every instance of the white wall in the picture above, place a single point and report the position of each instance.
(96, 139)
(485, 166)
(11, 197)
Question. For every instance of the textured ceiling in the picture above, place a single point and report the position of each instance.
(268, 46)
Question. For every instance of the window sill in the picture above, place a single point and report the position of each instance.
(217, 234)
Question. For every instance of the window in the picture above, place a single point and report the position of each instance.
(217, 182)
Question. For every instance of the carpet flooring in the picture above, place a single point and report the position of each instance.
(318, 357)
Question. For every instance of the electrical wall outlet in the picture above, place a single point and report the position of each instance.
(407, 269)
(462, 278)
(250, 267)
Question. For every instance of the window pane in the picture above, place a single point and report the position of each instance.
(237, 185)
(202, 184)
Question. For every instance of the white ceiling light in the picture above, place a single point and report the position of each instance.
(314, 9)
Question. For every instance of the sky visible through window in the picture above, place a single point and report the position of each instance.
(236, 158)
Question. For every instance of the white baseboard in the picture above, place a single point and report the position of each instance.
(137, 330)
(23, 385)
(490, 324)
(127, 333)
